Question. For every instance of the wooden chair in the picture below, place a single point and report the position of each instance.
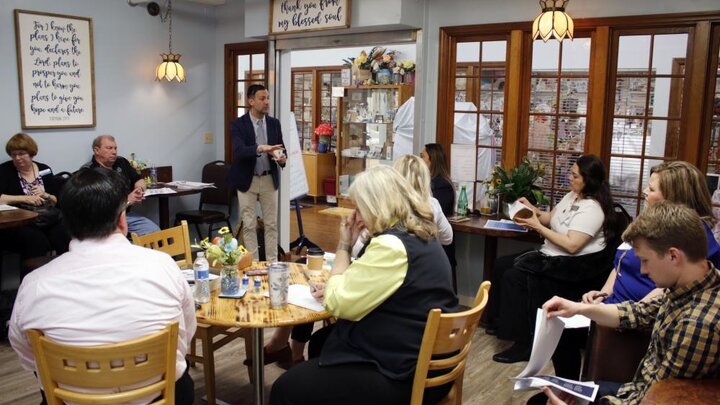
(447, 334)
(214, 172)
(176, 242)
(173, 241)
(106, 367)
(614, 354)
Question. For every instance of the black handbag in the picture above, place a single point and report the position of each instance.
(48, 215)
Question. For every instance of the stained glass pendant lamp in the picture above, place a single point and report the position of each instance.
(553, 21)
(170, 68)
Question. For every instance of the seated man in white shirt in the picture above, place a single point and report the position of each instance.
(104, 290)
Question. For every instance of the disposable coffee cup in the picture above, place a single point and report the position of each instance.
(279, 282)
(315, 259)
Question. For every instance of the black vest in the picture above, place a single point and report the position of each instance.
(390, 336)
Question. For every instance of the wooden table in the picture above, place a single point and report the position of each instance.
(253, 311)
(164, 202)
(18, 217)
(476, 225)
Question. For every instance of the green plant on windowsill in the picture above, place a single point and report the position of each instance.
(520, 181)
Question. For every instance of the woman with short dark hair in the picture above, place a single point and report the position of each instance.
(29, 183)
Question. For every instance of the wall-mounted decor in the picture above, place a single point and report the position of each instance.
(290, 16)
(56, 73)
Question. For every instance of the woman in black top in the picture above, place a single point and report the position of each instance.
(443, 190)
(25, 182)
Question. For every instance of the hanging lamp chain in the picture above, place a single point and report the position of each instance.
(168, 17)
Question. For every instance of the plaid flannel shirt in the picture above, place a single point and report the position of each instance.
(685, 336)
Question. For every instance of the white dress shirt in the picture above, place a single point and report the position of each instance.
(103, 291)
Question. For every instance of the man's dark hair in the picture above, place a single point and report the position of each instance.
(254, 89)
(92, 200)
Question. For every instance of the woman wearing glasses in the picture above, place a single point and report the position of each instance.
(26, 182)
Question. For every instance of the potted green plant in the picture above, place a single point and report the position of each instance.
(520, 181)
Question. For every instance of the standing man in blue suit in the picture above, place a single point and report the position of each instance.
(258, 150)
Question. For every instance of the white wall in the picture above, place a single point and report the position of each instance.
(334, 56)
(161, 122)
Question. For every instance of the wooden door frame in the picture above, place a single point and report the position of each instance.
(230, 83)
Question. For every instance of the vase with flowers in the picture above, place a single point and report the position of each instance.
(407, 69)
(383, 66)
(520, 181)
(361, 66)
(225, 251)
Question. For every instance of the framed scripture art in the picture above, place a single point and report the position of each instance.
(56, 72)
(308, 15)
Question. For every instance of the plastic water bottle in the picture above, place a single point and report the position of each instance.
(202, 278)
(246, 283)
(153, 175)
(462, 205)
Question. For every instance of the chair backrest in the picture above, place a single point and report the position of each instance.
(217, 172)
(104, 367)
(622, 220)
(614, 354)
(445, 347)
(174, 241)
(60, 179)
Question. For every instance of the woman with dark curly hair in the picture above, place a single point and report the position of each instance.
(573, 259)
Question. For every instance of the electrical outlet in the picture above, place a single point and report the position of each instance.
(208, 137)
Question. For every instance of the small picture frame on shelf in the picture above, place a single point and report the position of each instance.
(379, 118)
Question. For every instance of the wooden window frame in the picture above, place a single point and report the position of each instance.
(317, 72)
(696, 112)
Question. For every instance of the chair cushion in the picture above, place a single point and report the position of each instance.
(202, 217)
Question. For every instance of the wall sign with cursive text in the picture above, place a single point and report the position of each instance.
(290, 16)
(56, 73)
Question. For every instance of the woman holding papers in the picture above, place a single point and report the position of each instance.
(381, 301)
(573, 258)
(677, 182)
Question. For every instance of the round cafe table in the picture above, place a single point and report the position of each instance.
(17, 217)
(254, 312)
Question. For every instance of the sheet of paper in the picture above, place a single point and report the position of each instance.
(575, 322)
(156, 191)
(463, 163)
(299, 294)
(5, 207)
(586, 390)
(547, 335)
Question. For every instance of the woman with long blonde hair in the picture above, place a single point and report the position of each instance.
(418, 176)
(381, 301)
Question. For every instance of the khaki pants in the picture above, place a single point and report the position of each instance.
(261, 189)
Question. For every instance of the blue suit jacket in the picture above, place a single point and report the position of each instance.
(242, 135)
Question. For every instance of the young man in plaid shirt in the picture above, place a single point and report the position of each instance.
(671, 243)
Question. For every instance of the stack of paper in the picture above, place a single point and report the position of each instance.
(156, 191)
(184, 184)
(547, 335)
(5, 207)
